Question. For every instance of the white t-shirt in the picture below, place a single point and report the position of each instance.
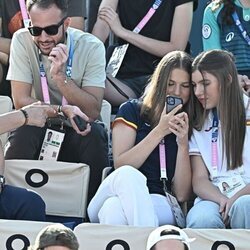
(200, 144)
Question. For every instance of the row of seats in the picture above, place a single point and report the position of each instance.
(63, 186)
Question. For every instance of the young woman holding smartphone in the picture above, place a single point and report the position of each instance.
(134, 193)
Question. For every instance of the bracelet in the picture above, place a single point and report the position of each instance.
(26, 116)
(59, 109)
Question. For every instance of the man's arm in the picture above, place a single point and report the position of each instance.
(88, 98)
(21, 94)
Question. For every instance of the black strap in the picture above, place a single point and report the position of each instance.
(118, 89)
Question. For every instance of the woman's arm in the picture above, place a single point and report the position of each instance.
(202, 186)
(181, 27)
(101, 28)
(182, 181)
(125, 152)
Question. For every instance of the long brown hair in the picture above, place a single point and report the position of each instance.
(154, 97)
(230, 108)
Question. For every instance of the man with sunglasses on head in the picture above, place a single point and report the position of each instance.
(59, 65)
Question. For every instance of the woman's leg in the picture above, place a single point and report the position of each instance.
(240, 213)
(129, 186)
(205, 214)
(163, 210)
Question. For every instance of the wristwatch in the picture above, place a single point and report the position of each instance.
(2, 182)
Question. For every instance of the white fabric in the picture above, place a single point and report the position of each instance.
(65, 193)
(200, 144)
(123, 199)
(96, 237)
(5, 106)
(17, 233)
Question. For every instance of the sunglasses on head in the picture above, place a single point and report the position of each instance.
(50, 30)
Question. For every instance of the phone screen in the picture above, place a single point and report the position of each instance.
(172, 102)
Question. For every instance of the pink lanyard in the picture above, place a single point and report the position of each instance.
(163, 166)
(214, 145)
(26, 20)
(44, 82)
(148, 16)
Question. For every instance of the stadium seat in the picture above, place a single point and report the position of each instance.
(5, 106)
(17, 234)
(63, 186)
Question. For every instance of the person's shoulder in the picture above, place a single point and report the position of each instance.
(215, 6)
(22, 34)
(80, 35)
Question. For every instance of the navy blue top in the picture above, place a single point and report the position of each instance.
(129, 113)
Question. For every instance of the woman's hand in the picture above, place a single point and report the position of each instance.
(71, 111)
(110, 16)
(244, 82)
(179, 125)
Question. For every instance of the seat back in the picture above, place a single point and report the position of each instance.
(63, 186)
(17, 234)
(106, 114)
(5, 106)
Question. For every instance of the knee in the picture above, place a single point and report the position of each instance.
(111, 212)
(130, 174)
(201, 219)
(241, 205)
(36, 203)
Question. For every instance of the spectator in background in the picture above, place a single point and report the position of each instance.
(134, 193)
(219, 146)
(55, 237)
(168, 238)
(220, 31)
(11, 20)
(19, 203)
(167, 30)
(57, 47)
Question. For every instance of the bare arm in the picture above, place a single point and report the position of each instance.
(124, 149)
(181, 27)
(182, 180)
(101, 28)
(88, 99)
(202, 186)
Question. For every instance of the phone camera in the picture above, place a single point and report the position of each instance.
(171, 101)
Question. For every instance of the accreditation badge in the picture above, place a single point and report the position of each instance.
(231, 185)
(51, 146)
(176, 209)
(116, 59)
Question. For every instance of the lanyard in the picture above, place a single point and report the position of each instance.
(163, 166)
(214, 140)
(148, 16)
(241, 28)
(26, 20)
(44, 82)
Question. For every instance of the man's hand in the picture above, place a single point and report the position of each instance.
(58, 57)
(38, 114)
(71, 112)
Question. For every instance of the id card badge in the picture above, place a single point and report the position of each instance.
(231, 185)
(52, 143)
(116, 59)
(178, 214)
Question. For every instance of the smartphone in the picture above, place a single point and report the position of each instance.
(172, 102)
(80, 122)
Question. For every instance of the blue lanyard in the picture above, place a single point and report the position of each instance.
(241, 28)
(214, 140)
